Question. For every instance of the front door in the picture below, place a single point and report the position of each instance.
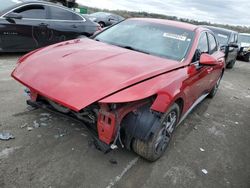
(20, 34)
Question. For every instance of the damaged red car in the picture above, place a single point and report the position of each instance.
(131, 84)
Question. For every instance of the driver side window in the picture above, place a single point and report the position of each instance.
(202, 47)
(203, 44)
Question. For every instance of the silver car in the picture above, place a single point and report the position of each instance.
(105, 19)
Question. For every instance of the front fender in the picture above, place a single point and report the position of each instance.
(167, 87)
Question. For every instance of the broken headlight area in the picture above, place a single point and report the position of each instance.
(103, 119)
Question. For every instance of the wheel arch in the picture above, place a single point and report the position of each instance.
(143, 123)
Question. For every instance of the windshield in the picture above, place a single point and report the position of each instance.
(5, 4)
(244, 40)
(151, 38)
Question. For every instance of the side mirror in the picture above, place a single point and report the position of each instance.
(234, 45)
(13, 15)
(207, 59)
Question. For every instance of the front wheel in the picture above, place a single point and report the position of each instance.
(246, 57)
(102, 24)
(154, 148)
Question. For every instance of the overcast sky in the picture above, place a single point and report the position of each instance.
(236, 12)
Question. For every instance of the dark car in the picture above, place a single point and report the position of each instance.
(228, 40)
(244, 44)
(105, 19)
(27, 25)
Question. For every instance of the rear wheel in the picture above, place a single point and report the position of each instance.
(231, 64)
(215, 88)
(154, 148)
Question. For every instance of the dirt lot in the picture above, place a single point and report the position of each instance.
(59, 153)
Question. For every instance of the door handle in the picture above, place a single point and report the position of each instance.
(74, 26)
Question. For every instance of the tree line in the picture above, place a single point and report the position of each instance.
(129, 14)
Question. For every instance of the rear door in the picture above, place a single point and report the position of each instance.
(232, 51)
(65, 24)
(20, 34)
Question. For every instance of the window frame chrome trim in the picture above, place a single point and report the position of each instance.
(44, 4)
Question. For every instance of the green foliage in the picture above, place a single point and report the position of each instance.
(129, 14)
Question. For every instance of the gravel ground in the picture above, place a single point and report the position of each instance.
(211, 148)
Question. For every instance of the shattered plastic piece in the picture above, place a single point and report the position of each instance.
(113, 146)
(6, 136)
(113, 161)
(73, 149)
(237, 123)
(45, 114)
(204, 171)
(29, 128)
(43, 119)
(207, 115)
(59, 135)
(44, 124)
(24, 125)
(56, 136)
(83, 134)
(35, 124)
(195, 128)
(201, 149)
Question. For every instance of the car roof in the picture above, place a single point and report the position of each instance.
(169, 22)
(220, 29)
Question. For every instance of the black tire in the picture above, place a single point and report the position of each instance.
(102, 24)
(231, 64)
(246, 57)
(215, 88)
(155, 147)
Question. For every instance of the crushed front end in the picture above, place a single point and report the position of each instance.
(102, 120)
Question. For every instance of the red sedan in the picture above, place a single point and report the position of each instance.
(132, 83)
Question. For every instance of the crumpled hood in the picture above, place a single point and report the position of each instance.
(80, 72)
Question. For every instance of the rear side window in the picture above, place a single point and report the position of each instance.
(32, 11)
(203, 44)
(212, 44)
(62, 14)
